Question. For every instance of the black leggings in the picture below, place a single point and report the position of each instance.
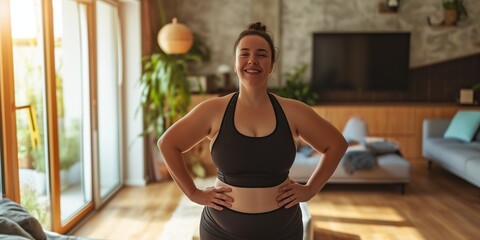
(229, 224)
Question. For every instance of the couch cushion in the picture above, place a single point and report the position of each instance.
(18, 214)
(463, 126)
(355, 130)
(450, 152)
(303, 167)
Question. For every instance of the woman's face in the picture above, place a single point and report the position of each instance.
(253, 61)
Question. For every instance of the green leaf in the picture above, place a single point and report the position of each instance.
(295, 88)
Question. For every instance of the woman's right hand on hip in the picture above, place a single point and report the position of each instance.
(214, 197)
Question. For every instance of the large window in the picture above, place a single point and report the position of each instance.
(73, 105)
(29, 75)
(109, 86)
(1, 132)
(1, 117)
(51, 64)
(1, 156)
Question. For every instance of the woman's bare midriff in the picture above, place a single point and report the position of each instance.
(253, 200)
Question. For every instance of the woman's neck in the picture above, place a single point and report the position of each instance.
(253, 97)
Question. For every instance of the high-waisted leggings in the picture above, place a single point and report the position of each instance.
(278, 224)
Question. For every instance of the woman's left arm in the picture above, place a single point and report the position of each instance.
(324, 138)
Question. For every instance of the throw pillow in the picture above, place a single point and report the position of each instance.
(18, 214)
(355, 130)
(463, 125)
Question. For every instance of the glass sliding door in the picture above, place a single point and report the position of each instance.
(29, 75)
(109, 101)
(1, 152)
(1, 124)
(73, 106)
(1, 111)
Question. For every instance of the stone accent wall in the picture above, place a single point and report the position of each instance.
(219, 22)
(428, 44)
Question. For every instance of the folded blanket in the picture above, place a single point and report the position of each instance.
(358, 160)
(358, 157)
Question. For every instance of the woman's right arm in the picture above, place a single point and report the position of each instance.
(181, 137)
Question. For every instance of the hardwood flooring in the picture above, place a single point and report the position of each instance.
(437, 205)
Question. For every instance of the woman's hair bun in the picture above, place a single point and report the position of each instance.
(258, 26)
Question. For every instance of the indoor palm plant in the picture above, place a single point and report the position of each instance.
(295, 87)
(165, 91)
(165, 94)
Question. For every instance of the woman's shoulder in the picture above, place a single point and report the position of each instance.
(292, 105)
(214, 104)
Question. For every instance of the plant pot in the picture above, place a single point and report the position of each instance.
(450, 17)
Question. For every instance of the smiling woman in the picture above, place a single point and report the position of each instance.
(252, 135)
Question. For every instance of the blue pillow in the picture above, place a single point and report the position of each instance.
(463, 125)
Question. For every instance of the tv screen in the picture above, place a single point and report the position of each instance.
(361, 62)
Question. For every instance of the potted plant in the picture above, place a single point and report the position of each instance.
(454, 11)
(295, 87)
(165, 91)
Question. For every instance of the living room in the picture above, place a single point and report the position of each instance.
(443, 59)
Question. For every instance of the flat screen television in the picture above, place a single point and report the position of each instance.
(361, 61)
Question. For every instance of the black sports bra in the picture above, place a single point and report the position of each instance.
(245, 161)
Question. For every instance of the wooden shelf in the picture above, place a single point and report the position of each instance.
(440, 25)
(382, 8)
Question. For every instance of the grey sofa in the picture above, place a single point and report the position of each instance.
(17, 224)
(460, 158)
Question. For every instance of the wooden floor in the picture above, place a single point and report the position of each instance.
(436, 205)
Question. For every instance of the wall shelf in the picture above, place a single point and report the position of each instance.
(383, 8)
(439, 25)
